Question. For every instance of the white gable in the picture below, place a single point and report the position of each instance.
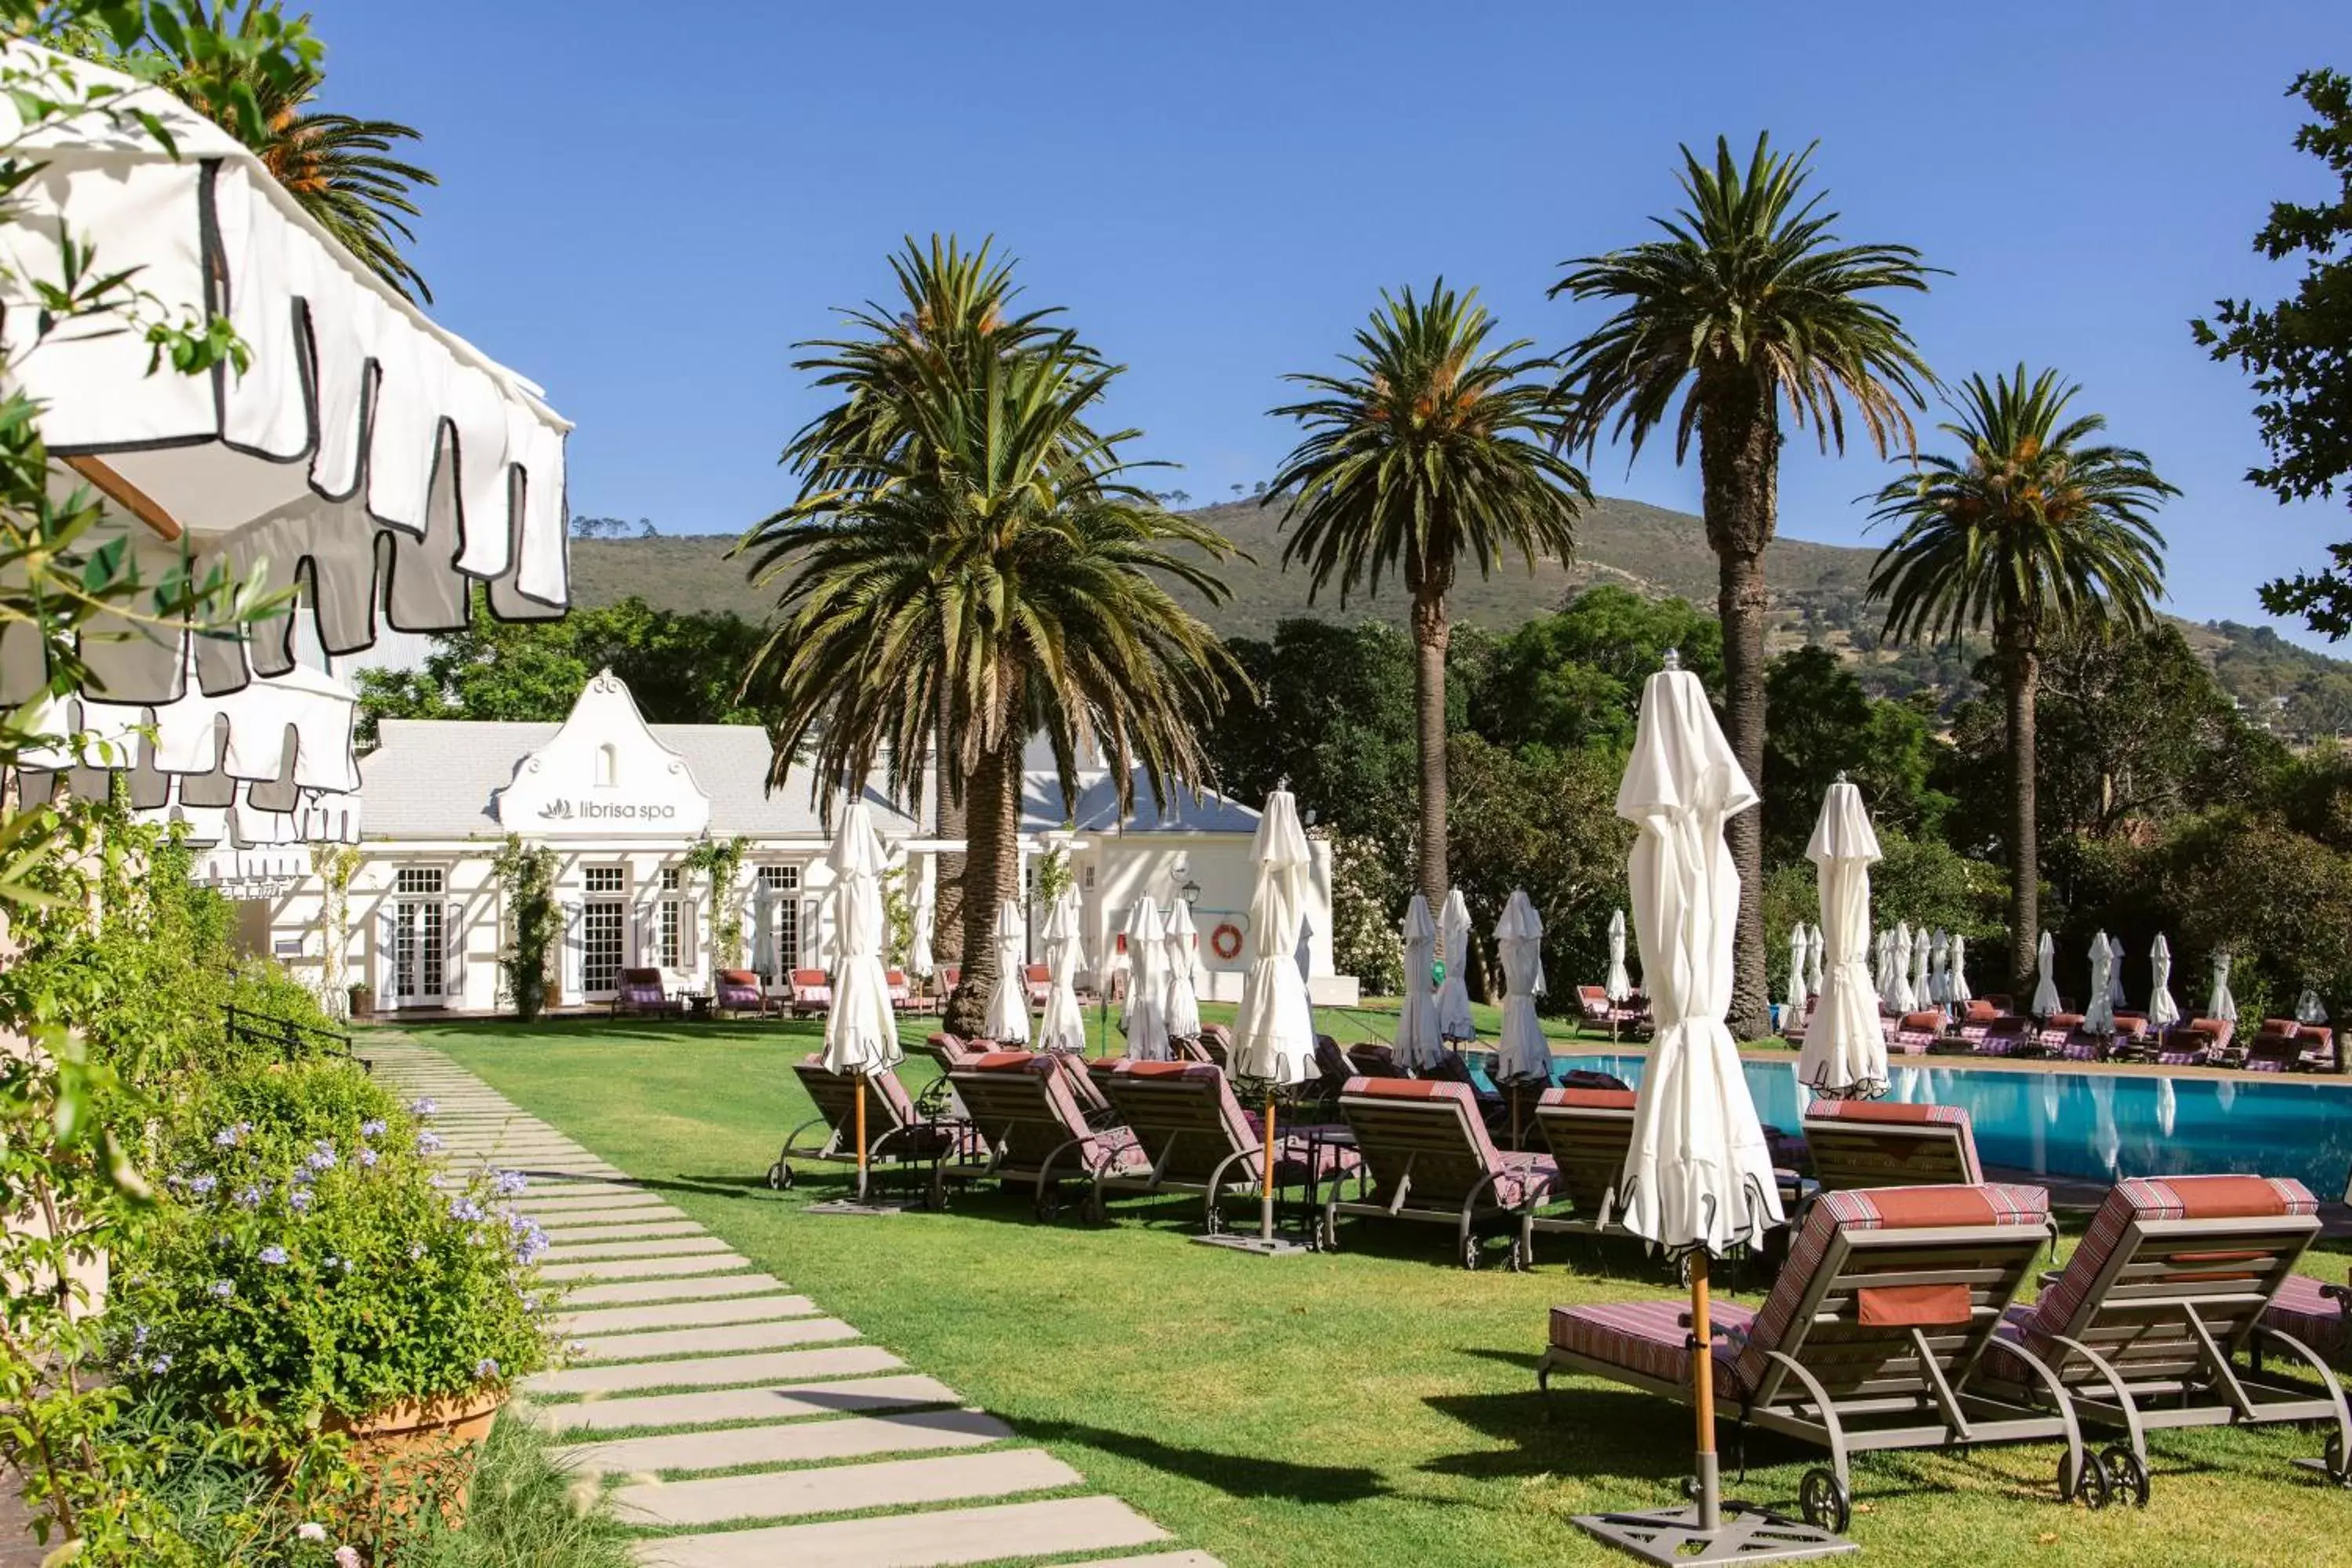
(604, 771)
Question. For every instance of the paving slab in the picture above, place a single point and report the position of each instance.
(844, 1488)
(555, 1199)
(565, 1232)
(717, 1372)
(776, 1401)
(643, 1268)
(635, 1246)
(627, 1292)
(792, 1443)
(684, 1314)
(1156, 1560)
(934, 1540)
(730, 1340)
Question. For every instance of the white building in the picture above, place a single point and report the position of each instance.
(622, 803)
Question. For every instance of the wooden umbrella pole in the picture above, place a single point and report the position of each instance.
(1710, 1505)
(861, 1138)
(1265, 1191)
(1514, 1116)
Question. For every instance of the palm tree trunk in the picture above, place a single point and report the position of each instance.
(1431, 633)
(2022, 678)
(991, 870)
(1739, 464)
(947, 911)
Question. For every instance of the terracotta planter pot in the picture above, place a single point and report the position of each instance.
(423, 1453)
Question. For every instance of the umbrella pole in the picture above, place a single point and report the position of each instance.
(1265, 1189)
(1710, 1502)
(861, 1138)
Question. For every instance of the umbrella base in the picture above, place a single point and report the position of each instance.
(1256, 1245)
(870, 1209)
(1745, 1535)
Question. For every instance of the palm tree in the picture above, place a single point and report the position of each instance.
(2031, 528)
(339, 167)
(1747, 303)
(999, 575)
(954, 312)
(1436, 448)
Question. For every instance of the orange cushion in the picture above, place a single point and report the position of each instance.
(1002, 1062)
(1910, 1306)
(1591, 1099)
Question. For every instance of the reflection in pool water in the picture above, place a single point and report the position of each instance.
(2102, 1125)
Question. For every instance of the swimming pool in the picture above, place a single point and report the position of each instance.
(2103, 1126)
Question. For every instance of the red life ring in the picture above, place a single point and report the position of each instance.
(1225, 942)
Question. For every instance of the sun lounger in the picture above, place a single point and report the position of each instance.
(895, 1129)
(739, 991)
(1914, 1033)
(1037, 982)
(1216, 1043)
(2146, 1325)
(2051, 1037)
(1200, 1139)
(1425, 1148)
(1869, 1339)
(2190, 1044)
(640, 991)
(902, 994)
(2318, 1050)
(2320, 1315)
(1034, 1128)
(1587, 1131)
(1794, 1025)
(1593, 1007)
(2007, 1037)
(1885, 1144)
(812, 993)
(2276, 1049)
(1369, 1058)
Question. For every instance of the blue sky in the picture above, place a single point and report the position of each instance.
(643, 207)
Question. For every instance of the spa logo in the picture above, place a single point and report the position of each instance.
(605, 811)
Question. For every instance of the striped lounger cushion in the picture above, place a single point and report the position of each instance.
(2304, 1310)
(1898, 1113)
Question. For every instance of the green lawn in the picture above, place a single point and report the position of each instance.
(1375, 1407)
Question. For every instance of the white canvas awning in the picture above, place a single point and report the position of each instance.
(375, 458)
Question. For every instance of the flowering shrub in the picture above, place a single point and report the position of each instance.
(315, 1259)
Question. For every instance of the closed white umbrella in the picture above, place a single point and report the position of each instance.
(1274, 1032)
(861, 1028)
(1521, 1052)
(1879, 947)
(1454, 1020)
(1180, 1013)
(1698, 1178)
(1957, 973)
(1921, 996)
(1619, 985)
(1896, 996)
(1062, 1025)
(1418, 1047)
(1845, 1054)
(1146, 1020)
(2221, 1004)
(1939, 957)
(2163, 1012)
(2045, 983)
(2100, 1018)
(1798, 948)
(920, 963)
(2118, 1001)
(1814, 961)
(2309, 1009)
(1007, 1020)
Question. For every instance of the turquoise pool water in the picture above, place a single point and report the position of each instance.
(2103, 1126)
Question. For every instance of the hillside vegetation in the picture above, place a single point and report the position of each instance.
(1818, 597)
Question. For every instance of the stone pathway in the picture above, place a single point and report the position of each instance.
(738, 1424)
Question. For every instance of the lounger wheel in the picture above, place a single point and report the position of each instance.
(1470, 1252)
(1520, 1262)
(779, 1177)
(2332, 1460)
(2127, 1478)
(1826, 1503)
(2091, 1490)
(1327, 1234)
(1048, 1206)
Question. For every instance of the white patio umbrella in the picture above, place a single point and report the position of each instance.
(1007, 1019)
(1274, 1031)
(2221, 1004)
(1879, 947)
(920, 962)
(357, 423)
(2163, 1012)
(861, 1028)
(1181, 1011)
(1939, 957)
(1921, 997)
(1062, 1025)
(1418, 1047)
(2100, 1019)
(1814, 961)
(2119, 1000)
(1146, 1017)
(2309, 1008)
(1618, 984)
(1698, 1178)
(1956, 973)
(1522, 1054)
(1895, 997)
(2046, 983)
(1845, 1054)
(1454, 1020)
(1798, 946)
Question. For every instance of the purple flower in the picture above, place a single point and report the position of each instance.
(310, 1530)
(423, 1106)
(371, 1127)
(507, 1184)
(321, 1157)
(415, 1250)
(160, 1365)
(250, 1197)
(272, 1255)
(347, 1557)
(428, 1142)
(465, 1209)
(300, 1200)
(139, 1337)
(230, 1137)
(202, 1186)
(222, 1288)
(367, 1159)
(486, 1369)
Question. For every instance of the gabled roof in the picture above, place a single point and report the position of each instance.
(1096, 807)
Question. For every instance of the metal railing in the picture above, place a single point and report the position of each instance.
(292, 1037)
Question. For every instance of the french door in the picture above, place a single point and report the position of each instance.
(420, 952)
(603, 930)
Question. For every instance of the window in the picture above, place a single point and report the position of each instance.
(777, 931)
(418, 879)
(667, 926)
(419, 949)
(608, 766)
(670, 879)
(606, 878)
(604, 929)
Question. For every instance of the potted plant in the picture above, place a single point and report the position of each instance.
(361, 997)
(317, 1270)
